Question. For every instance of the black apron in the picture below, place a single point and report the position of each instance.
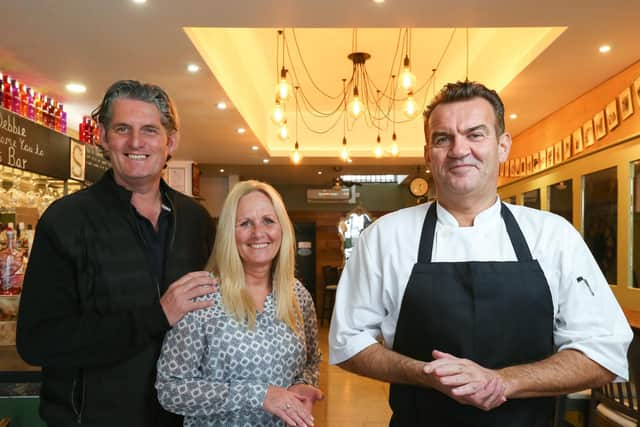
(497, 313)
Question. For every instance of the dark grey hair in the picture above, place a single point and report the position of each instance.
(463, 91)
(132, 89)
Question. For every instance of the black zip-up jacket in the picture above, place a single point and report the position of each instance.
(90, 310)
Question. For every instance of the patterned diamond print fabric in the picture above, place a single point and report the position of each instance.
(216, 371)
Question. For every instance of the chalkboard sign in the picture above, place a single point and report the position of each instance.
(96, 164)
(29, 146)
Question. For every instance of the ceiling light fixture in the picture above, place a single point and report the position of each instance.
(139, 1)
(241, 130)
(513, 116)
(254, 147)
(604, 48)
(221, 170)
(76, 88)
(221, 105)
(193, 68)
(361, 99)
(265, 161)
(296, 157)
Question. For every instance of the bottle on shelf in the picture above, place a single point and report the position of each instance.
(52, 113)
(30, 234)
(15, 96)
(7, 100)
(11, 271)
(95, 135)
(63, 122)
(31, 107)
(24, 103)
(38, 108)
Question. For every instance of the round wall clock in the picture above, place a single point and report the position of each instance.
(418, 187)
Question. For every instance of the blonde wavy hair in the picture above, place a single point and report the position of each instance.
(226, 264)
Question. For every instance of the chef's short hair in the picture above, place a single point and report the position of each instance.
(463, 91)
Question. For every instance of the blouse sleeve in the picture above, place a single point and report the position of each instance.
(310, 372)
(183, 387)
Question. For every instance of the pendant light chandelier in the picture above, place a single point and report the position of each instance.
(361, 100)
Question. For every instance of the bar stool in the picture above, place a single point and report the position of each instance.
(330, 275)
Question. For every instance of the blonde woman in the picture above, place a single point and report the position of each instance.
(252, 358)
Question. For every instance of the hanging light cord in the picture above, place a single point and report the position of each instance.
(375, 110)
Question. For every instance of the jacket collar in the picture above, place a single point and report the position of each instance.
(109, 185)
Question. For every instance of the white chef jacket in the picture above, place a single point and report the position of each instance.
(587, 316)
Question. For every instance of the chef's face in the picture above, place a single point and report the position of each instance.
(463, 149)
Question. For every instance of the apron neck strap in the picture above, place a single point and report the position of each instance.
(520, 246)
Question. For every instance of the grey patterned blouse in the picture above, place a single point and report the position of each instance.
(215, 371)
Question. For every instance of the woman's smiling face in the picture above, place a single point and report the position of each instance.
(258, 231)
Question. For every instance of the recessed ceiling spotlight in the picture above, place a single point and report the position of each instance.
(221, 105)
(140, 1)
(604, 48)
(265, 160)
(221, 170)
(513, 116)
(193, 68)
(319, 172)
(378, 1)
(241, 130)
(427, 171)
(254, 147)
(76, 87)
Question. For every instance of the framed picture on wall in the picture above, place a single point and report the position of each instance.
(523, 166)
(599, 125)
(626, 105)
(636, 90)
(543, 159)
(550, 156)
(557, 152)
(611, 113)
(529, 168)
(512, 167)
(576, 138)
(535, 162)
(501, 171)
(587, 132)
(566, 147)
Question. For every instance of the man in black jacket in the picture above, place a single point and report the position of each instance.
(112, 268)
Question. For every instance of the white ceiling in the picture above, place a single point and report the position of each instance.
(48, 43)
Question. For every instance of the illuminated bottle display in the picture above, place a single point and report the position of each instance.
(27, 102)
